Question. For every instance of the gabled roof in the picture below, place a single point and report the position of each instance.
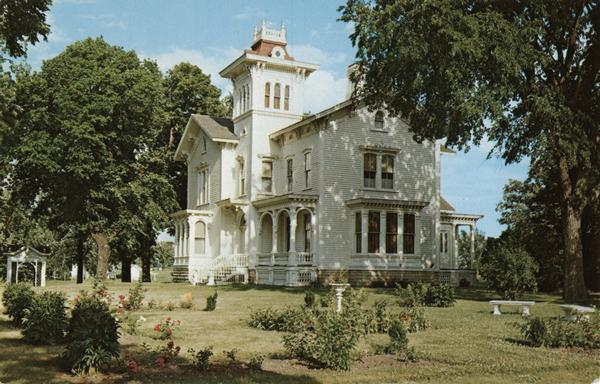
(217, 129)
(445, 205)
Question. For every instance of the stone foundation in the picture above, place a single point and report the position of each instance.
(389, 278)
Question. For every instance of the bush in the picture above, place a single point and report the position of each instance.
(414, 319)
(170, 306)
(283, 320)
(382, 316)
(211, 302)
(256, 362)
(509, 271)
(201, 359)
(327, 340)
(92, 334)
(136, 297)
(45, 321)
(557, 333)
(16, 298)
(231, 355)
(398, 338)
(309, 299)
(439, 295)
(419, 294)
(186, 301)
(166, 328)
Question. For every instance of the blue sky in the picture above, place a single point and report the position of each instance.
(212, 33)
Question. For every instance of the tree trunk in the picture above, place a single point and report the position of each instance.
(126, 271)
(574, 282)
(103, 244)
(591, 247)
(80, 258)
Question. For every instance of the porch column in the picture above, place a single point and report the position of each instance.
(418, 235)
(313, 242)
(454, 246)
(192, 236)
(401, 235)
(382, 231)
(8, 270)
(176, 245)
(472, 233)
(292, 251)
(275, 237)
(365, 230)
(43, 274)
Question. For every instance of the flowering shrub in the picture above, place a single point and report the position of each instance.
(132, 323)
(165, 328)
(134, 302)
(131, 362)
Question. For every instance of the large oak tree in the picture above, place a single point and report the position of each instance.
(524, 73)
(90, 120)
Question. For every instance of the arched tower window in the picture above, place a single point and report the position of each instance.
(277, 97)
(286, 98)
(267, 95)
(379, 120)
(200, 239)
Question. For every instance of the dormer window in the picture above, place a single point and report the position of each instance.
(267, 95)
(277, 98)
(379, 122)
(286, 98)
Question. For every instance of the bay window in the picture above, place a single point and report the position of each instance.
(374, 231)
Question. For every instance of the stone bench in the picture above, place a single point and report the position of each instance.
(523, 304)
(572, 311)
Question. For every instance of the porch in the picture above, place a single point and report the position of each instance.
(286, 240)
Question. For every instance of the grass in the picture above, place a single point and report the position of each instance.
(465, 344)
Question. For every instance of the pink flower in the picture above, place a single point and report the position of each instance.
(168, 331)
(157, 327)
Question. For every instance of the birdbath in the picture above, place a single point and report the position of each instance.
(339, 293)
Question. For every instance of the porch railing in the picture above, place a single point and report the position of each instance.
(304, 258)
(280, 258)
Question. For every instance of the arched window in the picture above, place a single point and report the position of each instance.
(286, 98)
(200, 239)
(267, 95)
(277, 97)
(379, 120)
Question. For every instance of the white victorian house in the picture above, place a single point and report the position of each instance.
(277, 197)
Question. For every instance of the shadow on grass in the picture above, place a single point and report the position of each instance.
(233, 372)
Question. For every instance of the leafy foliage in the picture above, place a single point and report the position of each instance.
(414, 319)
(398, 338)
(326, 341)
(256, 361)
(509, 271)
(45, 321)
(16, 299)
(309, 299)
(558, 333)
(92, 334)
(22, 23)
(136, 297)
(430, 295)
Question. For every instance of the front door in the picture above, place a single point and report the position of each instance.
(445, 249)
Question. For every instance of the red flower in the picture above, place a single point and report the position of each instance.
(168, 331)
(121, 297)
(157, 327)
(132, 365)
(160, 362)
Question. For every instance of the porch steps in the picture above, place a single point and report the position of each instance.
(180, 273)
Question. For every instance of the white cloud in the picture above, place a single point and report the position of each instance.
(311, 54)
(248, 13)
(211, 62)
(323, 90)
(107, 21)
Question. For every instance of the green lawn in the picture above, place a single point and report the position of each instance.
(465, 344)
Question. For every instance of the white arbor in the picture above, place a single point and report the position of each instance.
(26, 255)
